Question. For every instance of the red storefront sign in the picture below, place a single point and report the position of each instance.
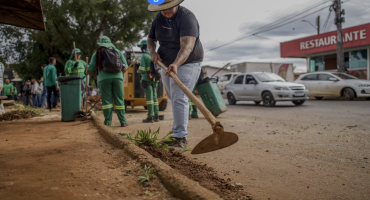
(352, 37)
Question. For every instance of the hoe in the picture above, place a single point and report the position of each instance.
(219, 139)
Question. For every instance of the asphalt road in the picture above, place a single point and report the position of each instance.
(319, 150)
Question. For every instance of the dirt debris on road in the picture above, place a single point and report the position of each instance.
(17, 114)
(206, 176)
(48, 159)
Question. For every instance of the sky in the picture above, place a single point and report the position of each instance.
(224, 21)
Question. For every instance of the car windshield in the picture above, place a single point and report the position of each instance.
(344, 76)
(226, 77)
(269, 77)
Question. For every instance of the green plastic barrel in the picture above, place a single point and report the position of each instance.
(212, 98)
(70, 92)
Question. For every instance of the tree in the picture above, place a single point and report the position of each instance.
(68, 21)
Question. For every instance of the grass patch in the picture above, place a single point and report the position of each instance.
(148, 138)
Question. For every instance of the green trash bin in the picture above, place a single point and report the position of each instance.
(212, 98)
(70, 92)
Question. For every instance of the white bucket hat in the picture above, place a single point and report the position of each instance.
(167, 4)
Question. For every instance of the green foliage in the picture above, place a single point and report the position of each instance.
(148, 138)
(147, 173)
(68, 21)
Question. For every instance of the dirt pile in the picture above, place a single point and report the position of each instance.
(206, 176)
(17, 114)
(93, 99)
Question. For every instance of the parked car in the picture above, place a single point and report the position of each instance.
(334, 84)
(225, 79)
(264, 87)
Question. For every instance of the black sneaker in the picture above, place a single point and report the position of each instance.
(148, 120)
(124, 125)
(194, 116)
(176, 142)
(156, 118)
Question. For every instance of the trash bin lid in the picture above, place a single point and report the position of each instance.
(64, 79)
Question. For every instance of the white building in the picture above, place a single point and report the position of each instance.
(285, 70)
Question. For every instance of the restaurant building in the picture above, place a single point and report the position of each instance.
(320, 51)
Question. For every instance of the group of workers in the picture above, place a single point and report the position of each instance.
(177, 31)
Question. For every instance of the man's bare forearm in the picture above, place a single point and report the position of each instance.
(151, 44)
(187, 45)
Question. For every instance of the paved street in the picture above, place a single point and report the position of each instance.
(316, 151)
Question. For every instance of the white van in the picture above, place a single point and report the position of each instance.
(225, 79)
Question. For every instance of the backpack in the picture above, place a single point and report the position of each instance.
(155, 72)
(111, 61)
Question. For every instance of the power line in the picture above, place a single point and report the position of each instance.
(269, 27)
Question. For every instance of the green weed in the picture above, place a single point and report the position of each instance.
(147, 172)
(147, 193)
(148, 138)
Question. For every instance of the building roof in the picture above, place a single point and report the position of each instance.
(22, 13)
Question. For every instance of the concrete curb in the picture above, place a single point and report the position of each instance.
(179, 185)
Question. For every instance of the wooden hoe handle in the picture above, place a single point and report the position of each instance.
(207, 114)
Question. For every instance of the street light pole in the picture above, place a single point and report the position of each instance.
(317, 23)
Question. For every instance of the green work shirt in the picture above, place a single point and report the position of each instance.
(15, 92)
(50, 76)
(7, 89)
(103, 75)
(71, 71)
(144, 68)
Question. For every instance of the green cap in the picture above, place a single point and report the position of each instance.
(73, 53)
(105, 42)
(143, 42)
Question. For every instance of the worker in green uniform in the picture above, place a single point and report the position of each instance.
(110, 83)
(192, 106)
(8, 89)
(149, 84)
(76, 66)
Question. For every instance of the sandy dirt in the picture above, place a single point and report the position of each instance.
(316, 151)
(43, 158)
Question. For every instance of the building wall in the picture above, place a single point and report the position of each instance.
(209, 71)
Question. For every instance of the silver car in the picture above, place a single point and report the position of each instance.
(334, 84)
(264, 87)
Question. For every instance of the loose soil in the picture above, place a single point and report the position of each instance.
(17, 114)
(48, 159)
(206, 176)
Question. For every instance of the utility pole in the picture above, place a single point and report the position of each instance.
(338, 21)
(318, 24)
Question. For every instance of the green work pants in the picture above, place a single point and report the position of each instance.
(193, 106)
(112, 88)
(151, 98)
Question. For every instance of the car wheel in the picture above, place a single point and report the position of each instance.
(231, 99)
(257, 102)
(319, 98)
(348, 94)
(298, 103)
(268, 99)
(367, 98)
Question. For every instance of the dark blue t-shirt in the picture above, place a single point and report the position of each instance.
(169, 31)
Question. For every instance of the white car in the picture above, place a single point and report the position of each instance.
(334, 84)
(225, 79)
(264, 87)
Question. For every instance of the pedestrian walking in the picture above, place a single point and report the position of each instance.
(44, 92)
(35, 86)
(177, 30)
(15, 93)
(110, 64)
(51, 83)
(27, 95)
(39, 92)
(149, 83)
(8, 89)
